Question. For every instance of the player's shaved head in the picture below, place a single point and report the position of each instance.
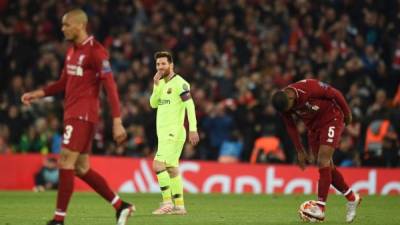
(77, 16)
(280, 101)
(74, 25)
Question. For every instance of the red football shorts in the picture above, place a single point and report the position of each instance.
(328, 134)
(78, 135)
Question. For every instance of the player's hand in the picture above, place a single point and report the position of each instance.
(157, 77)
(28, 97)
(348, 119)
(310, 158)
(119, 133)
(301, 159)
(193, 137)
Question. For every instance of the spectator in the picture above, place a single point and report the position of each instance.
(346, 155)
(391, 151)
(380, 106)
(380, 143)
(189, 152)
(4, 135)
(55, 137)
(218, 125)
(47, 177)
(268, 149)
(231, 148)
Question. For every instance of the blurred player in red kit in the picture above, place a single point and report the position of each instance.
(325, 112)
(86, 69)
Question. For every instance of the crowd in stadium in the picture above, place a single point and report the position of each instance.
(233, 53)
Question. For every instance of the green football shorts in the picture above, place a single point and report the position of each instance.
(169, 151)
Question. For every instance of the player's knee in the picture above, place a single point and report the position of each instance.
(65, 163)
(81, 170)
(158, 166)
(67, 159)
(173, 171)
(325, 156)
(323, 162)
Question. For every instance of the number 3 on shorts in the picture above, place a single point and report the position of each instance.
(67, 134)
(331, 132)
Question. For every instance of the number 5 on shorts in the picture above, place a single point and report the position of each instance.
(67, 134)
(331, 134)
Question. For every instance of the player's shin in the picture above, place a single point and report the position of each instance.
(66, 187)
(165, 185)
(99, 184)
(324, 182)
(177, 191)
(339, 183)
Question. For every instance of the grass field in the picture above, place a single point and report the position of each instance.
(20, 208)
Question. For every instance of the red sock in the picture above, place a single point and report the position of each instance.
(325, 180)
(339, 183)
(65, 189)
(99, 184)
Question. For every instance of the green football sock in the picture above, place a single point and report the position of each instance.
(165, 182)
(177, 191)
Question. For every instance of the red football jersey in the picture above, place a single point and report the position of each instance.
(316, 104)
(86, 68)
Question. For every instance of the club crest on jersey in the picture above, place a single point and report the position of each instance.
(80, 60)
(169, 91)
(185, 87)
(76, 70)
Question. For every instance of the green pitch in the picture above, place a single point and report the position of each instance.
(20, 208)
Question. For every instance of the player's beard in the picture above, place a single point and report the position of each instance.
(70, 38)
(166, 73)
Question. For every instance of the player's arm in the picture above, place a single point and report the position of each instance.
(341, 101)
(292, 131)
(52, 89)
(295, 137)
(157, 89)
(191, 113)
(103, 68)
(56, 87)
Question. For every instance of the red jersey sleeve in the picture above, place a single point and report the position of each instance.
(292, 131)
(337, 96)
(102, 66)
(56, 87)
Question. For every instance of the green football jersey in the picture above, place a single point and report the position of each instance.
(172, 100)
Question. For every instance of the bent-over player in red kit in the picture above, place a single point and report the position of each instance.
(86, 69)
(325, 112)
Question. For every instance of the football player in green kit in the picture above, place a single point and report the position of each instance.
(171, 96)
